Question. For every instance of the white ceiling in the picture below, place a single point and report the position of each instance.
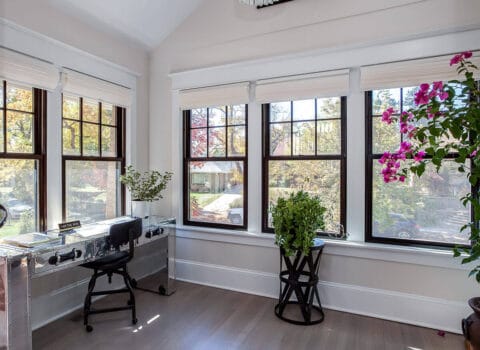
(145, 21)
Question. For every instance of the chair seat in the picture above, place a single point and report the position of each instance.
(109, 262)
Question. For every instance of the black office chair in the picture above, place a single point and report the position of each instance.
(116, 263)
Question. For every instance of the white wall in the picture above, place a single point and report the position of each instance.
(34, 28)
(243, 44)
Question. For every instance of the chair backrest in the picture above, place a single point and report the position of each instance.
(125, 232)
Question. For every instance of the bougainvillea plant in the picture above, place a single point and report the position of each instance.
(444, 121)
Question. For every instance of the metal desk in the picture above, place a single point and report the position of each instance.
(18, 266)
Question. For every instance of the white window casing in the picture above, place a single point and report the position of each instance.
(220, 95)
(26, 70)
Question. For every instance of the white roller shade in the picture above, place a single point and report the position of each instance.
(326, 84)
(221, 95)
(26, 70)
(87, 86)
(410, 73)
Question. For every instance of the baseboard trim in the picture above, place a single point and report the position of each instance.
(435, 313)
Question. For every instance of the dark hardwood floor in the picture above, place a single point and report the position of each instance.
(200, 317)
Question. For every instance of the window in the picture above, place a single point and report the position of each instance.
(22, 157)
(304, 148)
(215, 166)
(424, 210)
(93, 159)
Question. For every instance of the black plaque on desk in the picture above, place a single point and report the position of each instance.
(71, 225)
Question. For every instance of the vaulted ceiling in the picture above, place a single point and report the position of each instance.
(145, 21)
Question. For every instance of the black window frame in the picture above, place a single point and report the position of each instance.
(188, 158)
(342, 157)
(39, 154)
(370, 157)
(120, 115)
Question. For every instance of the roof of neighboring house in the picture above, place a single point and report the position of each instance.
(212, 167)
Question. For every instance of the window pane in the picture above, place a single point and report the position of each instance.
(216, 192)
(383, 99)
(217, 116)
(236, 141)
(280, 138)
(319, 177)
(385, 137)
(71, 107)
(280, 112)
(108, 114)
(109, 144)
(19, 98)
(328, 108)
(2, 140)
(198, 143)
(71, 137)
(90, 139)
(426, 208)
(90, 111)
(304, 138)
(216, 142)
(236, 115)
(198, 117)
(1, 93)
(92, 190)
(329, 136)
(408, 98)
(18, 193)
(304, 110)
(19, 132)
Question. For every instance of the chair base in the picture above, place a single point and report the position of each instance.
(87, 310)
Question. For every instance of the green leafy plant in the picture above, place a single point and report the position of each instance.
(147, 186)
(444, 121)
(296, 220)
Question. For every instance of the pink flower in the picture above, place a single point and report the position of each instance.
(424, 87)
(474, 153)
(401, 178)
(443, 96)
(456, 59)
(460, 57)
(437, 85)
(387, 115)
(405, 147)
(419, 156)
(421, 97)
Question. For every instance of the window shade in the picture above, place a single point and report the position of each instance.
(221, 95)
(326, 84)
(87, 86)
(410, 73)
(22, 69)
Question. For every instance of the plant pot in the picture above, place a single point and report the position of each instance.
(471, 324)
(140, 209)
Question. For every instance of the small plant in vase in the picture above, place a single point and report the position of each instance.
(144, 188)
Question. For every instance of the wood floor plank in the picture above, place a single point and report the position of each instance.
(205, 318)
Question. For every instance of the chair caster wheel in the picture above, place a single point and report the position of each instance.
(134, 321)
(162, 290)
(88, 328)
(133, 282)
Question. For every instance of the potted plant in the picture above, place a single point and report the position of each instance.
(144, 188)
(296, 220)
(445, 121)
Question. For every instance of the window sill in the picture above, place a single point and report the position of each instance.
(373, 251)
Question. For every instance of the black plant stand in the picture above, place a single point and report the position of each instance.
(301, 278)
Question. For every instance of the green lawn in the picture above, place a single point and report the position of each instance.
(11, 228)
(204, 199)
